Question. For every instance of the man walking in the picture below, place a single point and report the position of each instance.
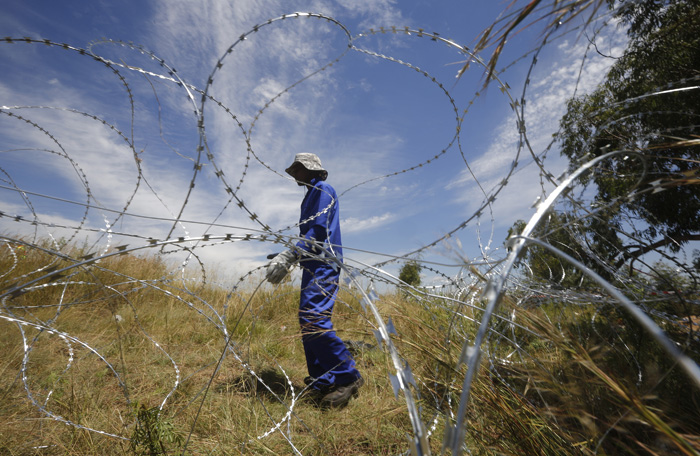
(332, 372)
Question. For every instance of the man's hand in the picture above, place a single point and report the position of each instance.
(279, 266)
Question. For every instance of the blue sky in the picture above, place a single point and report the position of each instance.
(367, 117)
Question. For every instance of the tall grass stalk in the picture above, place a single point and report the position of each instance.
(128, 352)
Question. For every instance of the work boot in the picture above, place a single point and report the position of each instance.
(342, 394)
(312, 396)
(314, 393)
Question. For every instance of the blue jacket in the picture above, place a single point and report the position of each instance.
(324, 228)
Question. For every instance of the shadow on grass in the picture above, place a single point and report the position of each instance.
(271, 384)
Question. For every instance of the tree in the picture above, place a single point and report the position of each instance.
(557, 230)
(645, 106)
(410, 273)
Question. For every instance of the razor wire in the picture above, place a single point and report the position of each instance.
(472, 296)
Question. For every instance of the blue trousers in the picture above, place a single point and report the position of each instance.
(327, 358)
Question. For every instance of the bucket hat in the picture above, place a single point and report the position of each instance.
(310, 162)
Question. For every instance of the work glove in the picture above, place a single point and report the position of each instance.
(279, 266)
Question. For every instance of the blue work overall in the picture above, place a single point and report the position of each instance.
(327, 358)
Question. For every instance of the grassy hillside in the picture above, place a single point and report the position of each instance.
(127, 356)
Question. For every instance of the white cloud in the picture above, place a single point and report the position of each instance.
(356, 143)
(554, 80)
(351, 225)
(376, 12)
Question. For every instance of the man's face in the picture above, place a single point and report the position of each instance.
(302, 175)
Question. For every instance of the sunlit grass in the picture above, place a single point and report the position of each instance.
(128, 336)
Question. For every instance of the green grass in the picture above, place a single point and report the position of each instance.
(107, 366)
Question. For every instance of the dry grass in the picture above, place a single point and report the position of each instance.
(121, 348)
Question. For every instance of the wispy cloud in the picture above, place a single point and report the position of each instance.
(351, 225)
(364, 117)
(556, 78)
